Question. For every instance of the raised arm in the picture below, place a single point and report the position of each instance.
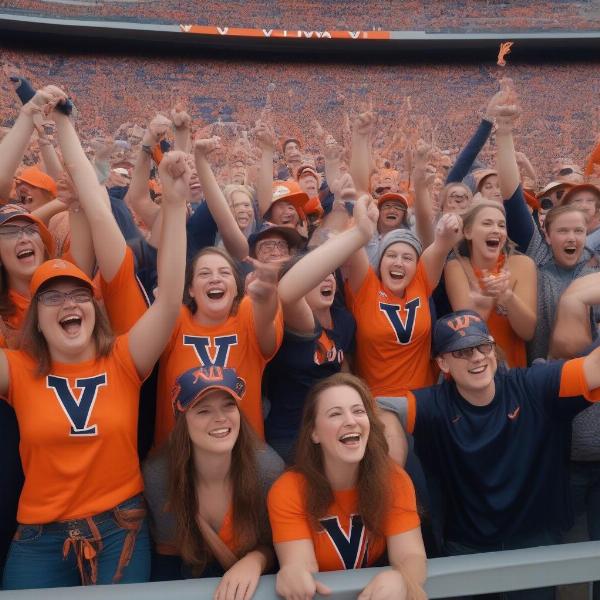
(360, 161)
(233, 238)
(573, 326)
(313, 268)
(264, 183)
(181, 124)
(448, 233)
(423, 205)
(109, 244)
(150, 334)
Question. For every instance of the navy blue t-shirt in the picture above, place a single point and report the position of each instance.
(502, 468)
(298, 365)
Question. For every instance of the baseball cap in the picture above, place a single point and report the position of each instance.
(291, 192)
(481, 174)
(286, 140)
(392, 196)
(552, 186)
(582, 187)
(398, 235)
(291, 235)
(307, 170)
(192, 385)
(37, 178)
(10, 212)
(458, 330)
(57, 267)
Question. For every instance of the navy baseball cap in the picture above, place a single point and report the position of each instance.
(291, 236)
(458, 330)
(192, 385)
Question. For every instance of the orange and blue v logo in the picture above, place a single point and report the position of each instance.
(459, 323)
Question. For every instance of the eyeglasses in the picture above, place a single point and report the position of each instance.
(270, 245)
(57, 298)
(546, 203)
(458, 196)
(17, 231)
(467, 353)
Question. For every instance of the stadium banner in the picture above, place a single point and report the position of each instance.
(285, 33)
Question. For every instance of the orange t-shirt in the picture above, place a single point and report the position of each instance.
(78, 430)
(393, 335)
(123, 298)
(232, 344)
(506, 338)
(343, 542)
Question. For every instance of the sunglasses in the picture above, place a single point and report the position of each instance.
(467, 353)
(546, 203)
(568, 171)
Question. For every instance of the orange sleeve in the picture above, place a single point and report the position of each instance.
(355, 300)
(592, 159)
(411, 413)
(402, 515)
(123, 298)
(124, 359)
(19, 366)
(573, 382)
(287, 514)
(424, 277)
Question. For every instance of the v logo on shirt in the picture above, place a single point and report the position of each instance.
(221, 345)
(352, 549)
(403, 329)
(78, 410)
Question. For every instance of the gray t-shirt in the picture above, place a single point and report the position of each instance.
(155, 471)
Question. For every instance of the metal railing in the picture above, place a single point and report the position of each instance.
(448, 577)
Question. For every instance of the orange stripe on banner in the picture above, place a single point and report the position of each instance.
(285, 33)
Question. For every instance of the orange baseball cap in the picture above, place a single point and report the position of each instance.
(37, 178)
(307, 170)
(389, 196)
(51, 269)
(9, 212)
(291, 192)
(582, 187)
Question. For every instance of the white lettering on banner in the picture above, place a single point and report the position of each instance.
(308, 34)
(223, 31)
(267, 33)
(354, 34)
(326, 34)
(186, 28)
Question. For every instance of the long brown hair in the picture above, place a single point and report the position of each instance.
(468, 218)
(250, 519)
(374, 469)
(35, 344)
(189, 277)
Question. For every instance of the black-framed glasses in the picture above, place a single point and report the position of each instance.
(58, 298)
(467, 353)
(16, 231)
(271, 245)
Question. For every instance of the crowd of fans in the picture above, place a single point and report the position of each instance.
(384, 279)
(411, 15)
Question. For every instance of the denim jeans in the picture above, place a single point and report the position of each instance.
(112, 547)
(526, 541)
(585, 490)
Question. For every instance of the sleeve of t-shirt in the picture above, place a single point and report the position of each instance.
(122, 296)
(287, 514)
(248, 315)
(422, 276)
(402, 515)
(122, 356)
(469, 153)
(404, 407)
(574, 383)
(519, 222)
(369, 284)
(17, 369)
(201, 230)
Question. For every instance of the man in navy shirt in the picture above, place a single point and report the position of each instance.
(495, 443)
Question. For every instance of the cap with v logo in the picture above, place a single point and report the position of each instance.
(458, 330)
(192, 385)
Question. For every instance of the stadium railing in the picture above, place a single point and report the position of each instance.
(448, 577)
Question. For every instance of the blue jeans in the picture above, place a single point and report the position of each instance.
(112, 547)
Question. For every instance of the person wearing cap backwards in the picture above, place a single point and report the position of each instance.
(206, 489)
(559, 252)
(495, 441)
(390, 303)
(75, 390)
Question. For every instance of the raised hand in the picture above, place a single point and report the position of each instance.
(180, 117)
(265, 136)
(420, 161)
(366, 215)
(505, 96)
(44, 101)
(204, 146)
(174, 175)
(262, 282)
(364, 125)
(449, 229)
(157, 130)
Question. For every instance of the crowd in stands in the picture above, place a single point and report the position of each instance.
(409, 15)
(293, 321)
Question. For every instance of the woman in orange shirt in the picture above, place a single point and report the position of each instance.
(345, 503)
(501, 286)
(75, 392)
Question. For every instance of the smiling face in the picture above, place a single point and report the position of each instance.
(587, 201)
(487, 233)
(473, 375)
(341, 426)
(309, 185)
(490, 188)
(243, 212)
(322, 295)
(67, 323)
(566, 236)
(457, 199)
(21, 248)
(398, 267)
(213, 423)
(272, 247)
(213, 287)
(284, 213)
(392, 214)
